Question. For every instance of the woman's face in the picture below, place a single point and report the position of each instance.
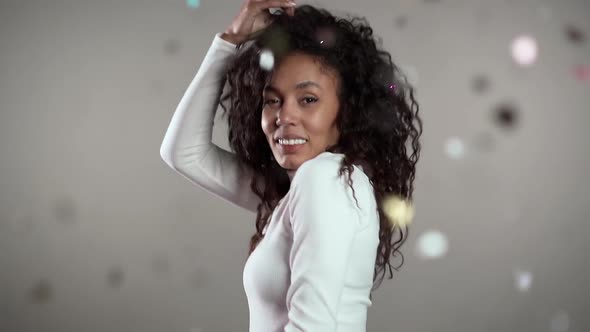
(304, 100)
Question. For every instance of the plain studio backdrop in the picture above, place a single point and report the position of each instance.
(97, 233)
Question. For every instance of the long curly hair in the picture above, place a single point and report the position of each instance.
(375, 120)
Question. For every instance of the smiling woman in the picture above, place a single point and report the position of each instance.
(332, 86)
(300, 101)
(318, 140)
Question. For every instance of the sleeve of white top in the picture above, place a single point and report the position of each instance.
(187, 146)
(324, 222)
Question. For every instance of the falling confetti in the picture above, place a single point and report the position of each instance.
(524, 50)
(193, 3)
(400, 21)
(267, 60)
(115, 277)
(326, 37)
(455, 148)
(432, 244)
(506, 116)
(41, 292)
(398, 210)
(523, 280)
(480, 84)
(574, 34)
(172, 46)
(582, 72)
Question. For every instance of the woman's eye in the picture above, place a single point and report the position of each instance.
(306, 99)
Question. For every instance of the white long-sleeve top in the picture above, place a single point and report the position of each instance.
(313, 270)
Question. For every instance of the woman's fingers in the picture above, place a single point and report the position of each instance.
(274, 3)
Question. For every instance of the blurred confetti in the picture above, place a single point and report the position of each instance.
(326, 37)
(582, 72)
(524, 50)
(454, 148)
(393, 88)
(480, 83)
(523, 280)
(506, 116)
(432, 244)
(193, 3)
(115, 277)
(172, 46)
(574, 34)
(400, 22)
(41, 292)
(399, 210)
(267, 60)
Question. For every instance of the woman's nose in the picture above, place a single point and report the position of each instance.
(286, 113)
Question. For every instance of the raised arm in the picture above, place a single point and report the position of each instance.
(187, 146)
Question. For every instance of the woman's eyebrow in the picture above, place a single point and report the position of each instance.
(300, 85)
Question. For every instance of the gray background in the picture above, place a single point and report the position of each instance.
(98, 234)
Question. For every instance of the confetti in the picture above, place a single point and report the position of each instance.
(398, 210)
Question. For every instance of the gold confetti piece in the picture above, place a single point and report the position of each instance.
(398, 210)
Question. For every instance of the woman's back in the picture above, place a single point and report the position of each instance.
(313, 270)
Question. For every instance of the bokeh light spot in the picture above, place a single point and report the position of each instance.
(267, 60)
(523, 280)
(432, 244)
(398, 210)
(524, 50)
(455, 148)
(193, 3)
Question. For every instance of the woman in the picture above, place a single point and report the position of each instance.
(328, 103)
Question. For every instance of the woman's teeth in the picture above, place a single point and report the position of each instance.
(291, 141)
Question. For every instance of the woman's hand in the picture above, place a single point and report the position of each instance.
(253, 17)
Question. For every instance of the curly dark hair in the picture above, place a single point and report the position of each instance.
(375, 120)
